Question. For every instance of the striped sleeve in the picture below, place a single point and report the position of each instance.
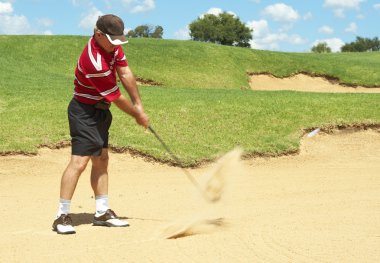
(120, 60)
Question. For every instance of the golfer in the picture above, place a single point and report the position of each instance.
(90, 118)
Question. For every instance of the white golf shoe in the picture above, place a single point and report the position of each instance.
(63, 225)
(109, 218)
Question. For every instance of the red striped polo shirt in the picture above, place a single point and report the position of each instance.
(95, 74)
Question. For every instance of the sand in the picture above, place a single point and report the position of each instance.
(304, 83)
(322, 205)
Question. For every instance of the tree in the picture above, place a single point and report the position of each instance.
(224, 29)
(158, 32)
(362, 45)
(321, 48)
(146, 31)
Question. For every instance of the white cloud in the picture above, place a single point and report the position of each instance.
(48, 33)
(344, 4)
(360, 16)
(14, 25)
(326, 30)
(6, 8)
(90, 3)
(231, 13)
(296, 40)
(308, 16)
(269, 42)
(83, 3)
(127, 29)
(260, 28)
(263, 38)
(285, 28)
(183, 33)
(352, 28)
(339, 6)
(139, 6)
(11, 24)
(46, 22)
(89, 19)
(334, 43)
(281, 13)
(108, 3)
(216, 12)
(376, 6)
(339, 13)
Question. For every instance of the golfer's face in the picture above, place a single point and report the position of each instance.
(106, 44)
(109, 47)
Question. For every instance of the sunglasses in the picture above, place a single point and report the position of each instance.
(114, 40)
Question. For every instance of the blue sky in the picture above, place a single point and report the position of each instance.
(293, 26)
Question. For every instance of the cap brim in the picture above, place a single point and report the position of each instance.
(117, 40)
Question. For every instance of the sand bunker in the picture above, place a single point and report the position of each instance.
(319, 206)
(303, 82)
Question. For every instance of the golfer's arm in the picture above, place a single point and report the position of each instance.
(134, 108)
(129, 83)
(126, 105)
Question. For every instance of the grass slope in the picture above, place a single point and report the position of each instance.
(205, 65)
(200, 111)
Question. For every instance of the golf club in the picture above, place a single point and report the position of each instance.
(191, 178)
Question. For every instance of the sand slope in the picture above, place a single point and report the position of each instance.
(304, 83)
(322, 205)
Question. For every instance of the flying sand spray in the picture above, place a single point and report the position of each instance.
(211, 189)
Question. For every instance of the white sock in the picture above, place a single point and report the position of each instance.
(101, 202)
(64, 207)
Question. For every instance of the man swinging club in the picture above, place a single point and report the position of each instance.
(90, 118)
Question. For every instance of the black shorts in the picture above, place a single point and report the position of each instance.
(88, 128)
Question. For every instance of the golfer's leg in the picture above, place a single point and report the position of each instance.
(104, 216)
(99, 173)
(71, 175)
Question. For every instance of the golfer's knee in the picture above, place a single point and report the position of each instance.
(104, 158)
(79, 164)
(101, 160)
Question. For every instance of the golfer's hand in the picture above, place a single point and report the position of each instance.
(141, 117)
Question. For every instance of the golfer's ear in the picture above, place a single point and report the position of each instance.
(97, 32)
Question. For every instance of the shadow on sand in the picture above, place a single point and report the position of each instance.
(86, 218)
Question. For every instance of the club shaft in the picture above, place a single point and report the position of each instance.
(176, 159)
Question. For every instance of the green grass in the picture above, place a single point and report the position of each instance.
(205, 65)
(200, 111)
(202, 124)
